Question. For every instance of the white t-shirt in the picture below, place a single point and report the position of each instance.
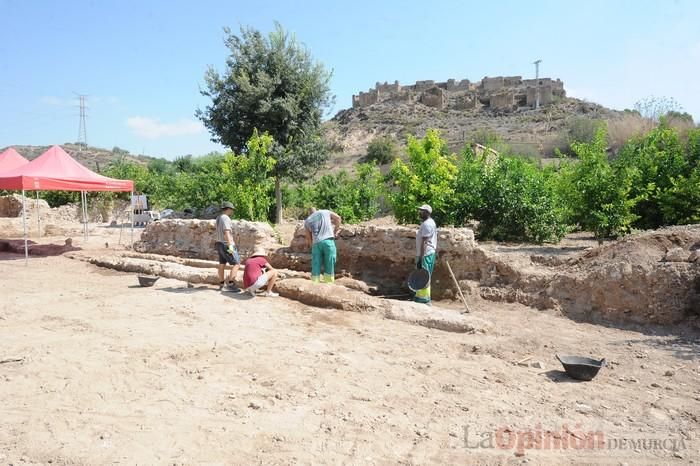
(427, 229)
(320, 225)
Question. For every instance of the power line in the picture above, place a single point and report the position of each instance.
(82, 129)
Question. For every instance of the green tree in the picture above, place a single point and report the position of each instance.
(382, 150)
(680, 203)
(519, 203)
(159, 166)
(127, 170)
(271, 84)
(654, 162)
(511, 197)
(427, 178)
(353, 198)
(598, 196)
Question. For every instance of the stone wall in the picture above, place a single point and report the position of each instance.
(652, 277)
(546, 95)
(195, 238)
(453, 85)
(502, 101)
(384, 256)
(433, 97)
(492, 84)
(42, 220)
(463, 95)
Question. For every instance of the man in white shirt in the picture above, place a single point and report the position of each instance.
(321, 228)
(426, 249)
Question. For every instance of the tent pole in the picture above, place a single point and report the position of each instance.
(82, 213)
(87, 218)
(82, 202)
(38, 216)
(131, 200)
(121, 225)
(24, 222)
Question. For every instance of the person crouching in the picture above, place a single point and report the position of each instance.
(258, 273)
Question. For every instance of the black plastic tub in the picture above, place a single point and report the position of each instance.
(146, 280)
(581, 368)
(418, 279)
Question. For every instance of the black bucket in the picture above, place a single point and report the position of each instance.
(146, 280)
(581, 368)
(418, 280)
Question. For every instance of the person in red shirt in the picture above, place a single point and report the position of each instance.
(257, 273)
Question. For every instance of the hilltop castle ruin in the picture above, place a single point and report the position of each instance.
(503, 93)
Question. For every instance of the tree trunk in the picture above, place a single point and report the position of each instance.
(278, 201)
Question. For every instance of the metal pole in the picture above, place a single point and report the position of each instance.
(537, 76)
(24, 222)
(87, 217)
(131, 200)
(121, 224)
(38, 216)
(82, 201)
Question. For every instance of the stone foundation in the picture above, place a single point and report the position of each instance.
(195, 238)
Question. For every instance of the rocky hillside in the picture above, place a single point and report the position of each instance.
(93, 158)
(525, 131)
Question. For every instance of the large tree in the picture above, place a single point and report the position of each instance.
(273, 84)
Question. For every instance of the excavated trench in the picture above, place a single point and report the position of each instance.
(648, 278)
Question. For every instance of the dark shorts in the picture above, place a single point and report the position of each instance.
(226, 257)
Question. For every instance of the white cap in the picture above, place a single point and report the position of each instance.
(427, 208)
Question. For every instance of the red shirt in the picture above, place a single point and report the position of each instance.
(253, 270)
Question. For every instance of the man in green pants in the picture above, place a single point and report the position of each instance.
(321, 228)
(426, 249)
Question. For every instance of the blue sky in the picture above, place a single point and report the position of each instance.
(141, 62)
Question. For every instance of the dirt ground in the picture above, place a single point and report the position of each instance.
(94, 370)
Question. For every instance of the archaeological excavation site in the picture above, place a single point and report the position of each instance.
(461, 234)
(325, 369)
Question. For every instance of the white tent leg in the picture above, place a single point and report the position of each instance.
(87, 218)
(24, 221)
(121, 225)
(38, 216)
(132, 219)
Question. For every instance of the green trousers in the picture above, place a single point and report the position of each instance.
(323, 257)
(428, 263)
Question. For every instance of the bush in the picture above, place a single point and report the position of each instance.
(680, 203)
(654, 162)
(512, 199)
(382, 150)
(582, 129)
(427, 178)
(59, 198)
(353, 198)
(597, 196)
(245, 180)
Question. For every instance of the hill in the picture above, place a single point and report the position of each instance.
(94, 158)
(503, 109)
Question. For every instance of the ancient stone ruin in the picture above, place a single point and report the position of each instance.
(648, 278)
(501, 93)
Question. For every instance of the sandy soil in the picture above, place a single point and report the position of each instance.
(94, 370)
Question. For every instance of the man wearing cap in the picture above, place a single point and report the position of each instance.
(226, 248)
(426, 249)
(257, 273)
(321, 227)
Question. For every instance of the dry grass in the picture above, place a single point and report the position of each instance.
(621, 130)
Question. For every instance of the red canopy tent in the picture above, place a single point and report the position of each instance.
(11, 159)
(55, 170)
